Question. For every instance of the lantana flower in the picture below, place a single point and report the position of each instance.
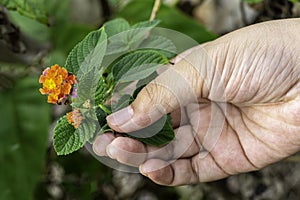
(74, 118)
(57, 83)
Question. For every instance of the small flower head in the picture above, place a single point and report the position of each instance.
(57, 83)
(74, 118)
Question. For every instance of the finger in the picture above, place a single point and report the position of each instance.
(174, 88)
(183, 171)
(183, 146)
(101, 142)
(123, 149)
(132, 152)
(127, 151)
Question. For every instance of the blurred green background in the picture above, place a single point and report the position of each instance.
(35, 34)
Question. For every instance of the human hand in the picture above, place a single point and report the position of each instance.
(235, 104)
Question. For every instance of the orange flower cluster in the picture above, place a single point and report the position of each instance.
(74, 118)
(57, 83)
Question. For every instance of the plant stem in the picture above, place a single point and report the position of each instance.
(155, 9)
(106, 110)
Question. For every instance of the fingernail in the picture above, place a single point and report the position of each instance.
(99, 146)
(111, 151)
(120, 117)
(142, 170)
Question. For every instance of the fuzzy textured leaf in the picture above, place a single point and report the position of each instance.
(124, 38)
(88, 127)
(87, 86)
(160, 44)
(88, 53)
(138, 65)
(116, 26)
(66, 138)
(157, 134)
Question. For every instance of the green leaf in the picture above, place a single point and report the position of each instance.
(116, 26)
(117, 31)
(138, 65)
(102, 92)
(146, 24)
(85, 61)
(122, 102)
(161, 44)
(88, 126)
(66, 139)
(157, 134)
(124, 38)
(101, 116)
(24, 123)
(86, 87)
(88, 54)
(34, 9)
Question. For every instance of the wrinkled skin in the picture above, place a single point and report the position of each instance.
(240, 100)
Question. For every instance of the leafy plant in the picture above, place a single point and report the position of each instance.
(105, 62)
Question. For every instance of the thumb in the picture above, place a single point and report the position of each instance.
(179, 85)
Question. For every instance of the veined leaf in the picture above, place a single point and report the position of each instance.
(138, 65)
(88, 126)
(86, 87)
(160, 44)
(124, 38)
(102, 92)
(66, 139)
(157, 134)
(116, 26)
(88, 54)
(139, 72)
(85, 61)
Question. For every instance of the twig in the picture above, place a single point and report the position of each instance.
(243, 12)
(155, 9)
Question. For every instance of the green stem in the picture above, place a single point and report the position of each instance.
(155, 9)
(105, 109)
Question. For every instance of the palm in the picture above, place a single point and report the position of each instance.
(247, 138)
